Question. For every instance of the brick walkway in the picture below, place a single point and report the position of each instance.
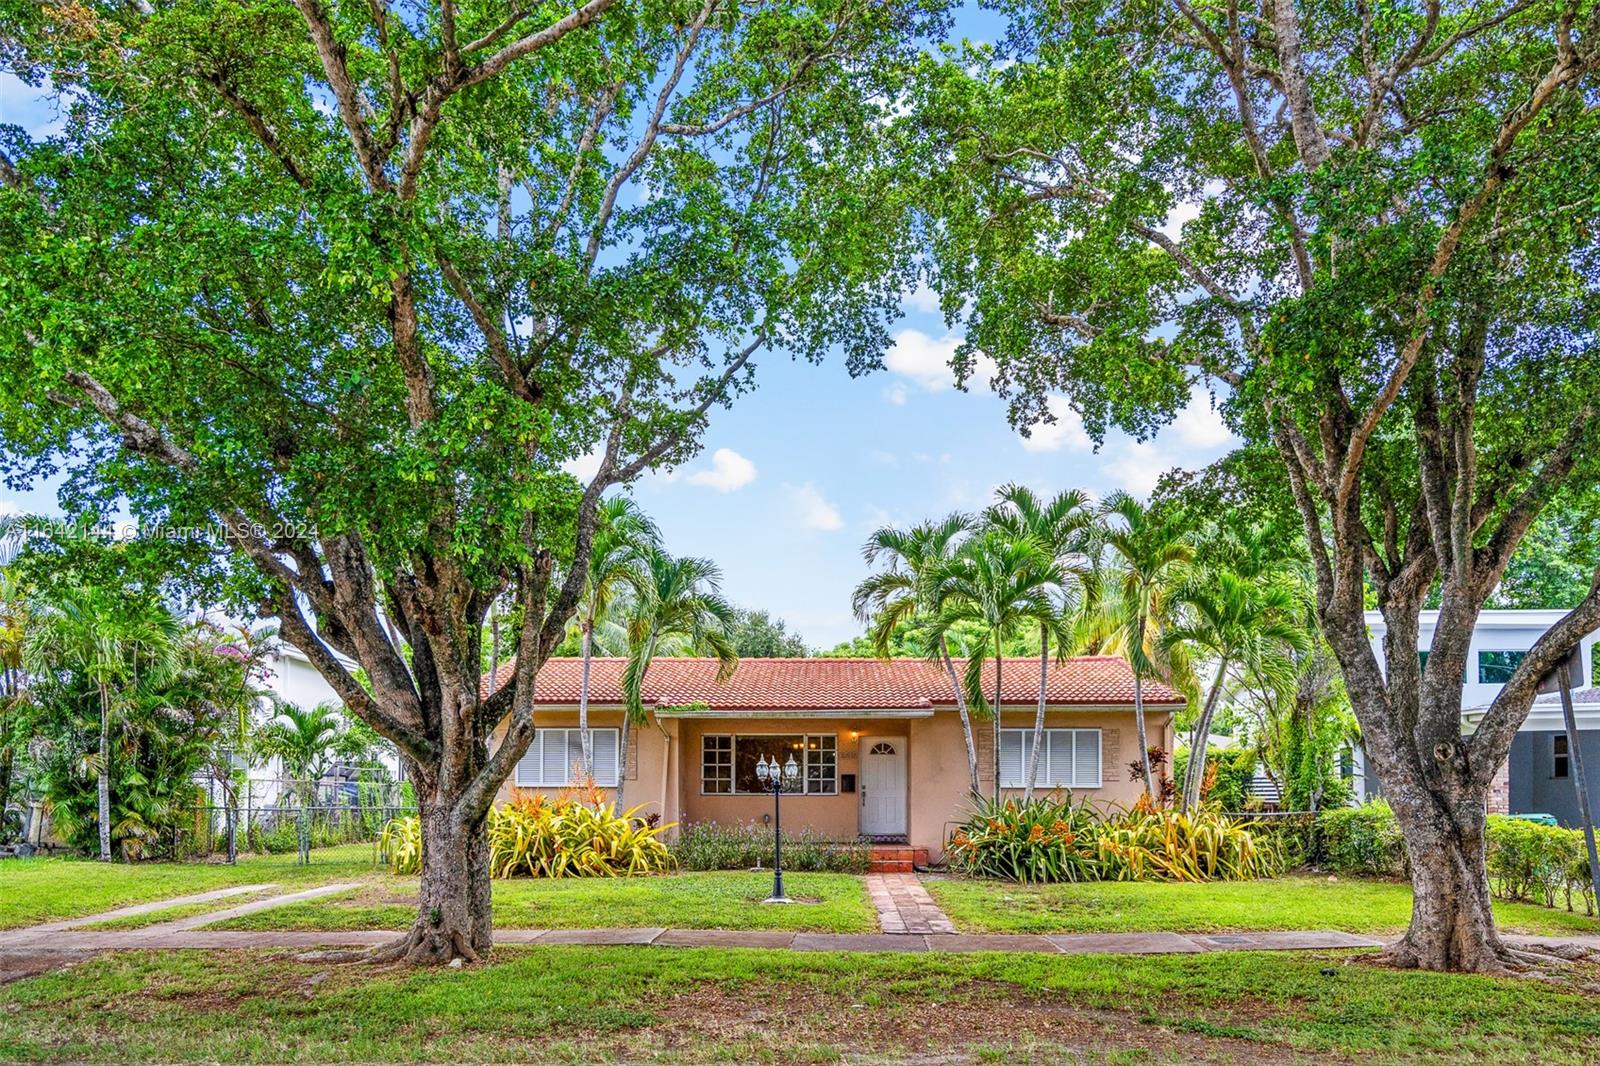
(904, 906)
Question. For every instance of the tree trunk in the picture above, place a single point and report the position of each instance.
(1452, 924)
(1144, 743)
(1195, 774)
(622, 759)
(453, 913)
(966, 720)
(103, 786)
(587, 629)
(995, 727)
(1038, 717)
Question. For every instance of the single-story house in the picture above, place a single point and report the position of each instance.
(1537, 777)
(878, 742)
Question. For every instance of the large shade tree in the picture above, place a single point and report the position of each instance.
(1373, 225)
(345, 284)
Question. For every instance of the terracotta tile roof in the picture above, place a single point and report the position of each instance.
(828, 684)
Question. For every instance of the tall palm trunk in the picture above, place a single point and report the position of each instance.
(104, 785)
(622, 759)
(1194, 776)
(966, 719)
(1038, 717)
(995, 727)
(1138, 717)
(587, 630)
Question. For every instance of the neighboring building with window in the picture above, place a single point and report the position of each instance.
(1537, 776)
(877, 744)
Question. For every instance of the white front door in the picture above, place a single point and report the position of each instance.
(883, 786)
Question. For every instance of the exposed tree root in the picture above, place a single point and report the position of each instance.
(1543, 962)
(422, 945)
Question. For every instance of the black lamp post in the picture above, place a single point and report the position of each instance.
(775, 777)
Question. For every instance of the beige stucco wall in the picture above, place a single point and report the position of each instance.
(663, 771)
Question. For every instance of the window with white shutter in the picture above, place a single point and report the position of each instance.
(555, 758)
(1069, 758)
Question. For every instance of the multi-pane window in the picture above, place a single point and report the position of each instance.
(1496, 667)
(1560, 759)
(1069, 758)
(555, 758)
(728, 763)
(716, 765)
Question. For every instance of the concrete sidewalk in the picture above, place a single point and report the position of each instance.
(34, 941)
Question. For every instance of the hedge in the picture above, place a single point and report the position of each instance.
(1526, 861)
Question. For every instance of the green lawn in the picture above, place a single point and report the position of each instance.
(1292, 902)
(835, 903)
(661, 1004)
(40, 890)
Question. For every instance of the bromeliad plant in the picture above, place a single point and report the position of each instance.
(539, 837)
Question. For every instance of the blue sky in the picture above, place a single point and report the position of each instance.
(794, 477)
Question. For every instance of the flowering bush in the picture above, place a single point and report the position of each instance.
(1041, 841)
(1048, 839)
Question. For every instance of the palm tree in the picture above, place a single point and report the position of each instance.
(1001, 584)
(13, 639)
(1066, 529)
(678, 603)
(1238, 623)
(1150, 550)
(619, 555)
(117, 645)
(305, 741)
(904, 593)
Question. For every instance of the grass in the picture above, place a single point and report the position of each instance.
(41, 890)
(837, 903)
(672, 1005)
(1291, 902)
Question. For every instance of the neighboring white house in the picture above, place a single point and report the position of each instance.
(1499, 641)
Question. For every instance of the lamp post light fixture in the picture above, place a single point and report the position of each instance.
(776, 777)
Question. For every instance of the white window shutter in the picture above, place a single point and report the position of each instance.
(1086, 759)
(1012, 760)
(1056, 768)
(605, 757)
(528, 765)
(553, 767)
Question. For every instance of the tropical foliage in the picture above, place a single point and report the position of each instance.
(1057, 839)
(541, 837)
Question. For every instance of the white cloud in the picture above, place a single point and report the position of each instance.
(1200, 425)
(812, 509)
(923, 359)
(1137, 466)
(1065, 432)
(883, 458)
(9, 509)
(923, 298)
(729, 472)
(584, 467)
(897, 394)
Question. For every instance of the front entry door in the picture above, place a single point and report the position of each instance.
(883, 786)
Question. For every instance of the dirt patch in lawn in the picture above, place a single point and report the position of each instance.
(977, 1020)
(15, 965)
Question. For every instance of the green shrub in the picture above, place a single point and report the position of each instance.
(1538, 863)
(1525, 861)
(1229, 771)
(1049, 840)
(1361, 840)
(746, 845)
